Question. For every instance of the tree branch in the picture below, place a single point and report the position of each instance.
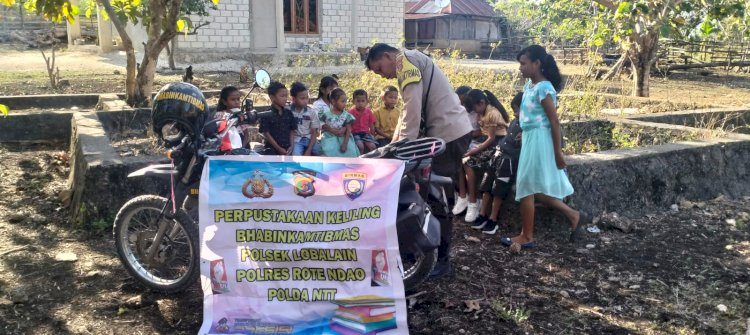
(170, 29)
(195, 29)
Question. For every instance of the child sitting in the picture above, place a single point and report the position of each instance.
(327, 84)
(493, 125)
(229, 102)
(308, 122)
(364, 123)
(337, 140)
(462, 201)
(499, 178)
(387, 117)
(229, 99)
(279, 126)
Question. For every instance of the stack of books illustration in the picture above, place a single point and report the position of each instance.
(366, 314)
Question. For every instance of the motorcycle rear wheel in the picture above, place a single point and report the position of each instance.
(417, 268)
(175, 265)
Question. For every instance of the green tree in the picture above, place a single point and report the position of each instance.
(638, 25)
(163, 19)
(634, 26)
(554, 22)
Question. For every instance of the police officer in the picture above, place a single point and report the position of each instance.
(428, 96)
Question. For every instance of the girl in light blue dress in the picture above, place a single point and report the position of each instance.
(337, 140)
(540, 168)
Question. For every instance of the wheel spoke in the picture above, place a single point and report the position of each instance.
(174, 255)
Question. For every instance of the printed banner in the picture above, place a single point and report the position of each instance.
(300, 246)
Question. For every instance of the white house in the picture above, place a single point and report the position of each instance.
(276, 27)
(287, 26)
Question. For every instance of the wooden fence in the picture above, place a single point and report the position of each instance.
(711, 53)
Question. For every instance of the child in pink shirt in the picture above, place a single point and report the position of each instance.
(364, 124)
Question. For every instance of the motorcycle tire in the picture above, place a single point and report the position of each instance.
(180, 241)
(420, 271)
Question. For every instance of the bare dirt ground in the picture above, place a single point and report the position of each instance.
(683, 272)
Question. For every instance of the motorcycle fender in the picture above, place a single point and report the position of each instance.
(408, 225)
(431, 233)
(409, 197)
(437, 195)
(156, 170)
(416, 226)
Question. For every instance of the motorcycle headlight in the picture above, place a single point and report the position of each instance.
(172, 133)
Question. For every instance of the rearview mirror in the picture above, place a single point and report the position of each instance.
(262, 79)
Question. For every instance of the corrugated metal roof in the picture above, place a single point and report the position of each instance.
(422, 16)
(456, 7)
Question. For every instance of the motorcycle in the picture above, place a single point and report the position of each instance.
(422, 205)
(156, 237)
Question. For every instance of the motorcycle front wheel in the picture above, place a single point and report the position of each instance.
(174, 264)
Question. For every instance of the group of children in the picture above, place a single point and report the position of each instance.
(327, 127)
(526, 152)
(492, 160)
(495, 161)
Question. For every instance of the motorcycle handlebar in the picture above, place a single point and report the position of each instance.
(185, 140)
(250, 117)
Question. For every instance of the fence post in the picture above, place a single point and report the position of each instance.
(729, 57)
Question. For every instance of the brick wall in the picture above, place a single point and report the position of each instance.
(229, 29)
(375, 19)
(230, 26)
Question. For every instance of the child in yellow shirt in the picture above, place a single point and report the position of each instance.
(387, 116)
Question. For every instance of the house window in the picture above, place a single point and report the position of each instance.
(301, 16)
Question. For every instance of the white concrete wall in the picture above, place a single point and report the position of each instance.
(347, 24)
(229, 29)
(381, 19)
(344, 24)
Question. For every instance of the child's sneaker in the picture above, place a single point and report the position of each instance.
(472, 211)
(490, 228)
(479, 222)
(461, 204)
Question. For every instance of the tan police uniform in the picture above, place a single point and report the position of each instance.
(445, 117)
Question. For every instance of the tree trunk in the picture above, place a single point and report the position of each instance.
(145, 78)
(140, 80)
(641, 76)
(127, 44)
(161, 17)
(170, 51)
(642, 55)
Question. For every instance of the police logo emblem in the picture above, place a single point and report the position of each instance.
(259, 186)
(304, 183)
(354, 184)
